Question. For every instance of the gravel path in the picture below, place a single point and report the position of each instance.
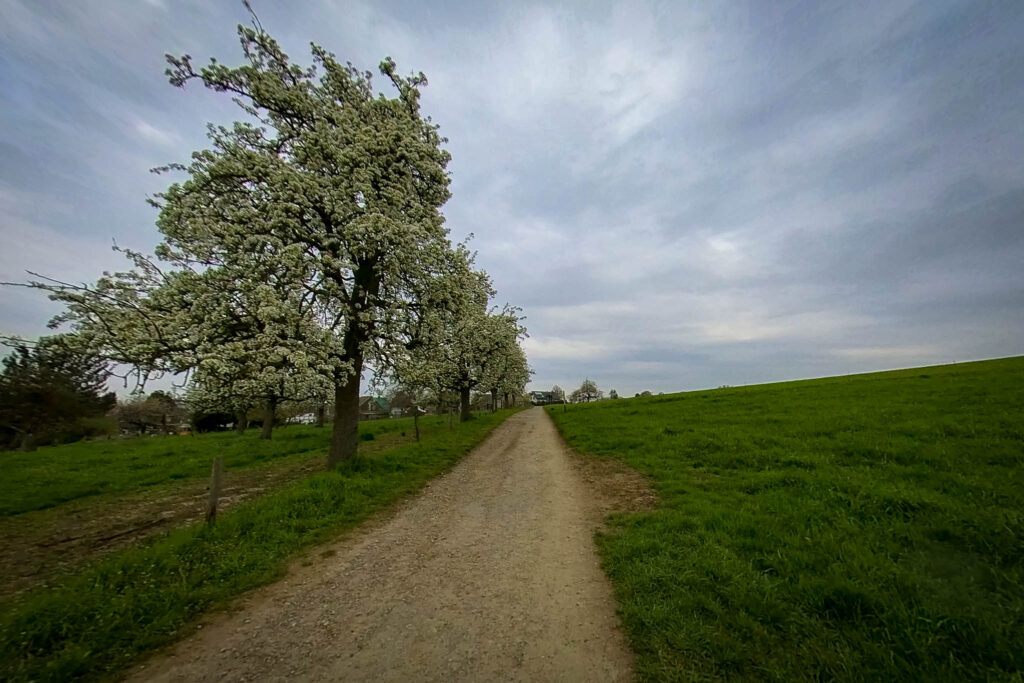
(489, 574)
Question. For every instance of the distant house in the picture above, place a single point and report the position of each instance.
(373, 408)
(401, 404)
(539, 398)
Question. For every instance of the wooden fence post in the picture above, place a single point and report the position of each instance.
(216, 478)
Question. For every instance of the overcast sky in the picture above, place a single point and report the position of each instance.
(679, 195)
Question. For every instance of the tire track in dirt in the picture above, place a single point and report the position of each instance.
(489, 574)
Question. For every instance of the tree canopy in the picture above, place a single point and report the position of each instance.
(303, 246)
(48, 387)
(462, 344)
(588, 391)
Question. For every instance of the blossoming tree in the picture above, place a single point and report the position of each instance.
(305, 236)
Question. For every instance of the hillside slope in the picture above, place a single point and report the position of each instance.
(869, 526)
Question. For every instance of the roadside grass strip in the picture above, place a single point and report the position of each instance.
(57, 474)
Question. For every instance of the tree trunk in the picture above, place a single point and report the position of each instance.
(321, 414)
(240, 422)
(464, 401)
(345, 435)
(268, 418)
(494, 400)
(416, 422)
(28, 442)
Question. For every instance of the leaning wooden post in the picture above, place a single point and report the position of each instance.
(216, 477)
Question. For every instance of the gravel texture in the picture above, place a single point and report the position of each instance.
(490, 573)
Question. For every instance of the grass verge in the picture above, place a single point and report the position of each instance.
(868, 527)
(57, 474)
(97, 621)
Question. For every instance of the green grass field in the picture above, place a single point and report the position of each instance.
(95, 622)
(57, 474)
(868, 527)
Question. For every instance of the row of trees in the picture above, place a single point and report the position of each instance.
(587, 392)
(52, 393)
(305, 247)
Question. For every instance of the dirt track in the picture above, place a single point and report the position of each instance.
(489, 574)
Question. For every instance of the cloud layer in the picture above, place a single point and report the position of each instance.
(677, 196)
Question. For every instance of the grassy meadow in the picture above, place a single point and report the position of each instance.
(868, 527)
(57, 474)
(97, 621)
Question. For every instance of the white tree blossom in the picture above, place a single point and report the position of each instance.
(588, 391)
(460, 345)
(507, 369)
(302, 242)
(340, 187)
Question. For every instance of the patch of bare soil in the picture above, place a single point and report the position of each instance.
(44, 544)
(614, 486)
(489, 574)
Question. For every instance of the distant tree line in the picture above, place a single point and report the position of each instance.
(587, 392)
(51, 393)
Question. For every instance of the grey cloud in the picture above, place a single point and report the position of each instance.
(678, 195)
